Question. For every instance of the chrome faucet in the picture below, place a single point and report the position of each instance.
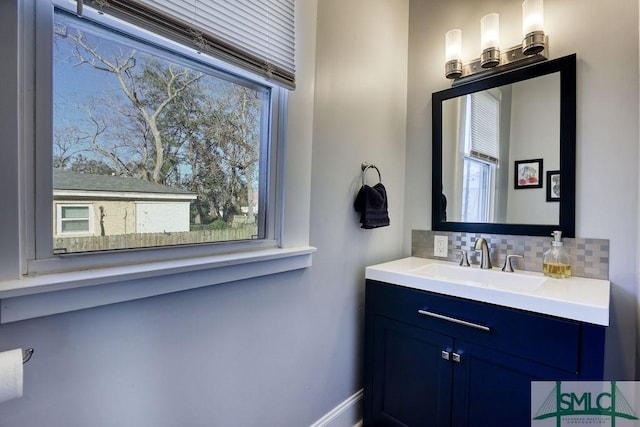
(482, 246)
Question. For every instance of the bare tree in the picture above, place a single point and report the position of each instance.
(66, 146)
(227, 151)
(169, 124)
(171, 82)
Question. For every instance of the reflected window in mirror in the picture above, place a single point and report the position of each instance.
(479, 154)
(477, 190)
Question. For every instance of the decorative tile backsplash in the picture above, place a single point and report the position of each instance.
(589, 257)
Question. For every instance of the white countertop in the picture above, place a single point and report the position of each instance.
(574, 298)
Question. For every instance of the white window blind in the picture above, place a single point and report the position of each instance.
(485, 126)
(258, 35)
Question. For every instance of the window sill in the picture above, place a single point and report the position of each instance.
(49, 294)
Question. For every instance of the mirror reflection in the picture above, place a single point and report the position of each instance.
(497, 147)
(504, 152)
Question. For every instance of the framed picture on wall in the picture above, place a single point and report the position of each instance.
(528, 174)
(553, 186)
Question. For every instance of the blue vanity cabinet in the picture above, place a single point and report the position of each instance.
(408, 368)
(493, 388)
(424, 368)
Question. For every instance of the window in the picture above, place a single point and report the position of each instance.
(477, 190)
(74, 219)
(481, 156)
(175, 150)
(36, 282)
(135, 121)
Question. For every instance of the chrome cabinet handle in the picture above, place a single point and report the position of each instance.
(451, 356)
(454, 320)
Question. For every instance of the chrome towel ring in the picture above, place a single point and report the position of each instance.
(365, 166)
(26, 355)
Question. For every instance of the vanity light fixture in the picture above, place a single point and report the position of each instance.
(453, 53)
(533, 40)
(532, 49)
(490, 40)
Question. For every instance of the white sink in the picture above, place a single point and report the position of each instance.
(574, 298)
(475, 276)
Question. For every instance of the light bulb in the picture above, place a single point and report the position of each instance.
(453, 45)
(490, 31)
(533, 38)
(490, 40)
(532, 16)
(453, 54)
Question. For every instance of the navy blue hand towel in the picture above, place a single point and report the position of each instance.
(371, 202)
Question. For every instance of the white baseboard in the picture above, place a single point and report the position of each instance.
(346, 414)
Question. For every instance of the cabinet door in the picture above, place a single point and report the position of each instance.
(492, 388)
(411, 381)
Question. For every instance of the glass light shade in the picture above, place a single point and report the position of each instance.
(490, 31)
(453, 45)
(532, 16)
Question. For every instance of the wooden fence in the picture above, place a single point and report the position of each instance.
(145, 240)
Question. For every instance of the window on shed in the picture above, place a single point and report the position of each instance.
(74, 219)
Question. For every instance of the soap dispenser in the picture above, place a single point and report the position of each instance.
(555, 262)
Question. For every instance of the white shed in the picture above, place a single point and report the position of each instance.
(103, 205)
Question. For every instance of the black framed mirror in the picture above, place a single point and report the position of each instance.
(504, 152)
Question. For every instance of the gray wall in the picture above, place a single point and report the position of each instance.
(360, 115)
(535, 133)
(607, 127)
(277, 351)
(283, 350)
